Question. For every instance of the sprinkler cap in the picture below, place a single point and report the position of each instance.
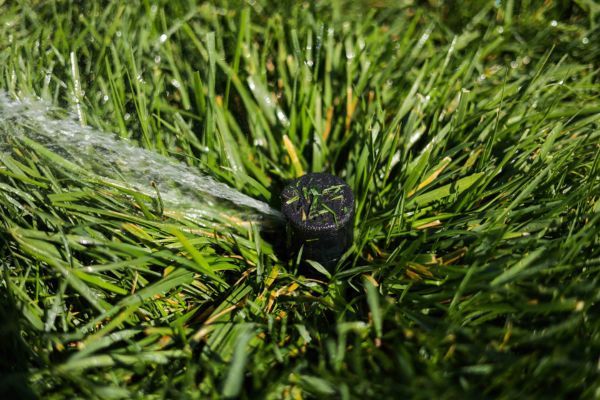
(319, 210)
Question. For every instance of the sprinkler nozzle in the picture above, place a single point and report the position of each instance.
(319, 213)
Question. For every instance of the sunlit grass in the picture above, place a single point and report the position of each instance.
(469, 134)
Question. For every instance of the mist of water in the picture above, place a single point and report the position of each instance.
(181, 187)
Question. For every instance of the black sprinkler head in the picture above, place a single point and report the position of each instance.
(319, 210)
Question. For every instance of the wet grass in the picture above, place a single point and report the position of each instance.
(469, 134)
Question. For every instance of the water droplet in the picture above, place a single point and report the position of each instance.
(176, 83)
(424, 38)
(119, 34)
(350, 52)
(157, 59)
(126, 117)
(282, 117)
(361, 43)
(154, 9)
(514, 64)
(105, 98)
(554, 23)
(585, 40)
(526, 60)
(561, 82)
(163, 38)
(500, 30)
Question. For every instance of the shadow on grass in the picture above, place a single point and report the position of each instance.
(15, 354)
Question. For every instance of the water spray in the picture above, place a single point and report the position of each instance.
(318, 208)
(119, 160)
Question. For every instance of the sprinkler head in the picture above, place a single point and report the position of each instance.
(319, 210)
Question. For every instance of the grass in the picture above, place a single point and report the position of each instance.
(469, 132)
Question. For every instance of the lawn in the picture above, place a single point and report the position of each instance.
(469, 133)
